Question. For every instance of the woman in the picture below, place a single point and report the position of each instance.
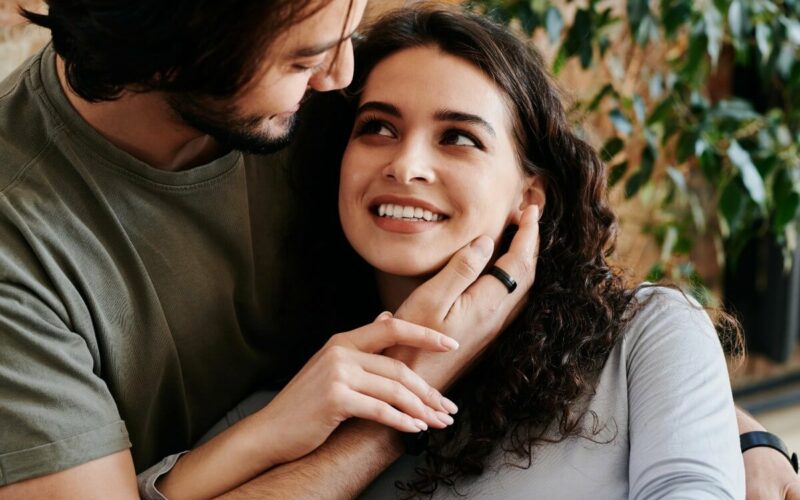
(596, 390)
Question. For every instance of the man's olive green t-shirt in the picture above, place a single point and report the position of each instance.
(136, 304)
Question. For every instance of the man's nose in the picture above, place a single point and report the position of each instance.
(338, 75)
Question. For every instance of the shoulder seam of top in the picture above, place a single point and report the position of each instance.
(17, 177)
(25, 75)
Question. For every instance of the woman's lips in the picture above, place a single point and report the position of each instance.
(403, 226)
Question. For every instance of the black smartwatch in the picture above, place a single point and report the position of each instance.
(760, 438)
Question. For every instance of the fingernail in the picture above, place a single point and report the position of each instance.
(420, 424)
(484, 245)
(448, 342)
(444, 418)
(535, 211)
(449, 406)
(384, 315)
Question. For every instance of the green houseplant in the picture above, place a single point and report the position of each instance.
(708, 164)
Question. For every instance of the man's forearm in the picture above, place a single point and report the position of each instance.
(344, 466)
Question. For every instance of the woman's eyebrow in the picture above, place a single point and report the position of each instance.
(384, 107)
(459, 116)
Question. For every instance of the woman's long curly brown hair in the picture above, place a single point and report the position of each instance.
(529, 380)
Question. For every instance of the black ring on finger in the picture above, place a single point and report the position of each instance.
(504, 278)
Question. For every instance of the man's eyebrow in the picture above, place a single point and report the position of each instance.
(315, 50)
(384, 107)
(459, 116)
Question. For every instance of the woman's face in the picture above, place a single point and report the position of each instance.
(431, 163)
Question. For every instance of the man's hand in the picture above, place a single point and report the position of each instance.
(768, 475)
(471, 308)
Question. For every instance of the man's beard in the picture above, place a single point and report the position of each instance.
(231, 131)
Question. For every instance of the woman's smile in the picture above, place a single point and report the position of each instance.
(431, 163)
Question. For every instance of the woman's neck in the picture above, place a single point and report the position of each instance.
(394, 290)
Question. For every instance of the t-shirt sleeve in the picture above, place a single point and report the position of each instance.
(683, 434)
(56, 411)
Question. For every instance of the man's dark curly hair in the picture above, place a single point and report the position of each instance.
(204, 47)
(527, 383)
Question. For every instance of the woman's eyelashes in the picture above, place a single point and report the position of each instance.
(450, 137)
(374, 126)
(458, 137)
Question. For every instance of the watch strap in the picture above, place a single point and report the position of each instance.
(762, 438)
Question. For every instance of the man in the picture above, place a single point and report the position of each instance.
(139, 252)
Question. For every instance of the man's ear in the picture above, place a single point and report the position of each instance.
(533, 193)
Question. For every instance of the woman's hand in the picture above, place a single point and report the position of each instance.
(349, 378)
(469, 307)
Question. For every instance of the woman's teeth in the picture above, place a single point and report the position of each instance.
(406, 212)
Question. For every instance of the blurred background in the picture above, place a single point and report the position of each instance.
(695, 107)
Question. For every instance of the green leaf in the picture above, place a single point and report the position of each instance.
(677, 178)
(538, 5)
(786, 60)
(786, 199)
(786, 212)
(710, 165)
(713, 25)
(620, 122)
(736, 19)
(735, 109)
(792, 26)
(648, 30)
(663, 111)
(694, 58)
(634, 183)
(649, 154)
(617, 172)
(675, 13)
(554, 23)
(686, 145)
(641, 176)
(637, 11)
(764, 39)
(561, 59)
(586, 53)
(639, 108)
(750, 177)
(733, 208)
(611, 148)
(655, 273)
(655, 86)
(579, 33)
(528, 19)
(607, 89)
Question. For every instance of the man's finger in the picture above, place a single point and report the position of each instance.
(441, 292)
(793, 492)
(519, 263)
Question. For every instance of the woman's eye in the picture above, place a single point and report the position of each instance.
(456, 138)
(375, 127)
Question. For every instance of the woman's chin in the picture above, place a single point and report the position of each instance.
(408, 268)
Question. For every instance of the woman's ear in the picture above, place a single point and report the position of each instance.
(533, 193)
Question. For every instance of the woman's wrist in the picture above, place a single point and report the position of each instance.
(225, 462)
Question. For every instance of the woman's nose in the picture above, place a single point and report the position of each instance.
(410, 165)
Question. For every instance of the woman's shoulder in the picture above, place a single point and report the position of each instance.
(665, 318)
